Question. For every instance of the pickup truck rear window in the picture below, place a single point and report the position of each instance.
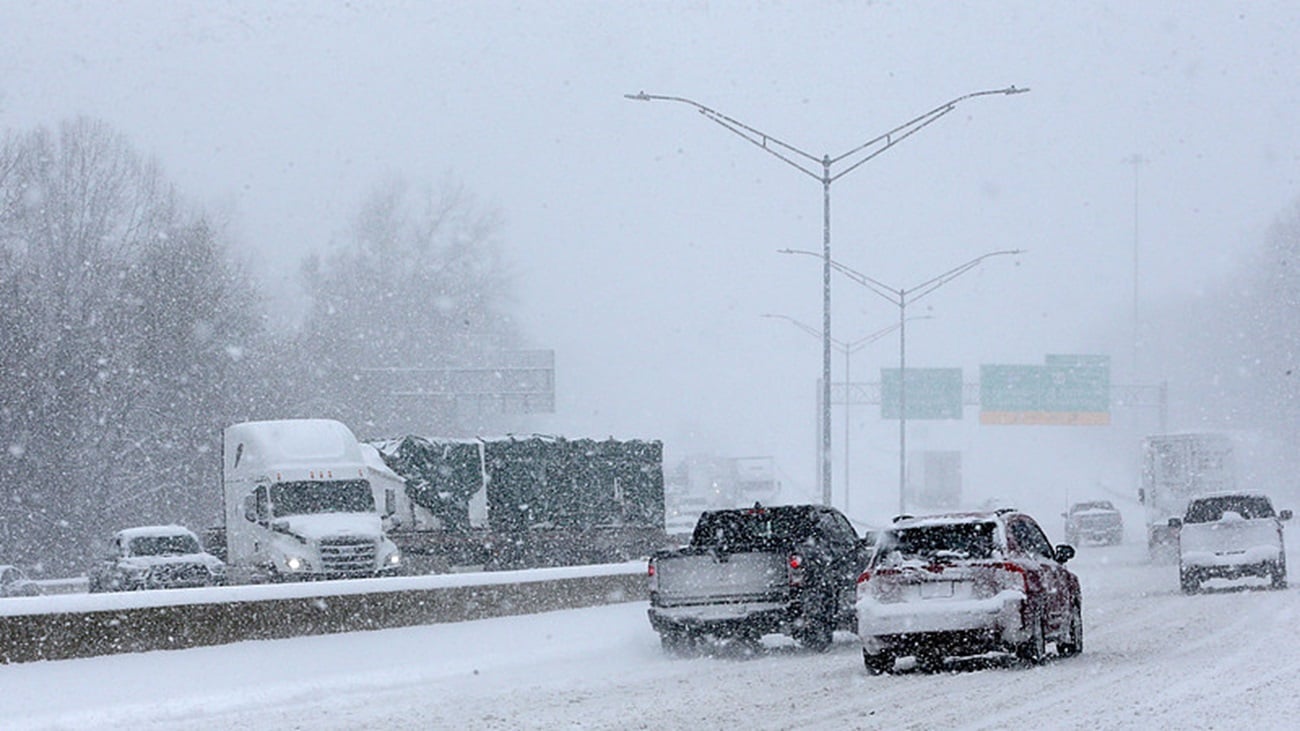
(741, 530)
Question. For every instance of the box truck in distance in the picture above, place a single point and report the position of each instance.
(298, 504)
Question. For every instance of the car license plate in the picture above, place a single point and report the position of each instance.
(936, 589)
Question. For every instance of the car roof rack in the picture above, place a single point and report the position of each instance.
(1005, 510)
(902, 517)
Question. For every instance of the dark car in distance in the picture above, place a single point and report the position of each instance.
(1093, 521)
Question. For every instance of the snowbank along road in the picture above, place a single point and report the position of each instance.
(1153, 659)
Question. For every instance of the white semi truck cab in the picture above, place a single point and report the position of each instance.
(298, 504)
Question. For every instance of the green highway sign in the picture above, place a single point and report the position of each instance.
(931, 393)
(1067, 389)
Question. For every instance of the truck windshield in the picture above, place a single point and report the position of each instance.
(306, 498)
(164, 545)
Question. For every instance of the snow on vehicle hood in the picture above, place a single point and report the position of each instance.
(144, 562)
(332, 525)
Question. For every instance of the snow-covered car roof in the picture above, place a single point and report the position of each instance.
(950, 518)
(151, 531)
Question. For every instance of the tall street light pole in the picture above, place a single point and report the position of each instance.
(848, 349)
(809, 164)
(901, 298)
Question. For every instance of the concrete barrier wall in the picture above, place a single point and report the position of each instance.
(62, 635)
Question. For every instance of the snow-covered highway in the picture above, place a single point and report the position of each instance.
(1153, 659)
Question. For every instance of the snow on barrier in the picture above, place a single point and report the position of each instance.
(69, 626)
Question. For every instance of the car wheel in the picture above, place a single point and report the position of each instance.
(1189, 581)
(1073, 645)
(1278, 573)
(878, 663)
(1033, 651)
(677, 642)
(818, 631)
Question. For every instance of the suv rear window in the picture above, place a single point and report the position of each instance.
(953, 541)
(1211, 509)
(752, 529)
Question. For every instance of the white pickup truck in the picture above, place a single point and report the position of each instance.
(1230, 535)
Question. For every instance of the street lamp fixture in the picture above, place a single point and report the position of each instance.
(819, 168)
(901, 298)
(848, 349)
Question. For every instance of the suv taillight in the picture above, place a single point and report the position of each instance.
(651, 578)
(1002, 576)
(795, 571)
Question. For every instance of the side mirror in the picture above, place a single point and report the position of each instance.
(1284, 515)
(1065, 515)
(1175, 522)
(250, 508)
(1142, 495)
(390, 503)
(1064, 552)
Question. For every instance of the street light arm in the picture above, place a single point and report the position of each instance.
(756, 137)
(890, 294)
(911, 127)
(929, 286)
(870, 338)
(805, 327)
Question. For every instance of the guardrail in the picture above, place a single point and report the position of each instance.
(69, 626)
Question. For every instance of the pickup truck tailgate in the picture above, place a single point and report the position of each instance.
(721, 577)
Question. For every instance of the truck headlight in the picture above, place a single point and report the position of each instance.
(394, 558)
(295, 563)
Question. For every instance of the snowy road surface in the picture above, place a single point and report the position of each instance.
(1153, 659)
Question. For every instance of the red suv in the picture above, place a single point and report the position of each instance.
(966, 584)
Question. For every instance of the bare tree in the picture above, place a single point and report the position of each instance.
(118, 307)
(419, 284)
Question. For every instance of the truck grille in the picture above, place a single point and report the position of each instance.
(179, 574)
(350, 556)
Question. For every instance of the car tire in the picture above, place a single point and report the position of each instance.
(1277, 572)
(1033, 651)
(1188, 581)
(1073, 643)
(677, 642)
(818, 631)
(879, 663)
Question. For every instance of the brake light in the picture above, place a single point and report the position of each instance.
(652, 578)
(1008, 576)
(864, 577)
(796, 569)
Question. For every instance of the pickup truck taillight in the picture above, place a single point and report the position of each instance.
(651, 579)
(795, 571)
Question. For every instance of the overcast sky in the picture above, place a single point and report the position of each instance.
(644, 236)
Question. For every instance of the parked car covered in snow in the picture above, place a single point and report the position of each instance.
(13, 582)
(1230, 535)
(155, 557)
(1094, 521)
(959, 585)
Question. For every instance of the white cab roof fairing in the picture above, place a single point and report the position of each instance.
(293, 445)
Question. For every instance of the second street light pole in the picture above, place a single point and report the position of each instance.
(848, 349)
(800, 160)
(899, 297)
